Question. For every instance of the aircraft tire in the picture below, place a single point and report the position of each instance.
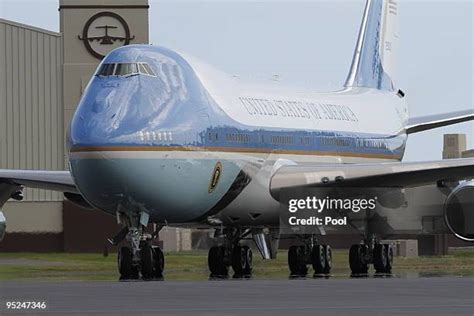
(124, 263)
(216, 262)
(238, 261)
(328, 259)
(389, 255)
(318, 259)
(158, 262)
(380, 258)
(146, 261)
(356, 259)
(248, 261)
(296, 262)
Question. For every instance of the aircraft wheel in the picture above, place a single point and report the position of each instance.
(328, 261)
(248, 261)
(380, 258)
(296, 262)
(135, 273)
(356, 259)
(389, 255)
(318, 259)
(238, 261)
(146, 261)
(158, 262)
(216, 262)
(124, 263)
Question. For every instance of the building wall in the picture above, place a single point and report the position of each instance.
(454, 145)
(31, 121)
(34, 217)
(31, 113)
(176, 239)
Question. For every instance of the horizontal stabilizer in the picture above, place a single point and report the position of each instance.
(423, 123)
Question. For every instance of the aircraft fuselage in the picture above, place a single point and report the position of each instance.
(184, 142)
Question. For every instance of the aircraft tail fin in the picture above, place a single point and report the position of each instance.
(373, 64)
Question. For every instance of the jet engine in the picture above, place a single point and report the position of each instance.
(459, 211)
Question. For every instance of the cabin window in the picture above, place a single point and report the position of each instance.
(282, 139)
(242, 138)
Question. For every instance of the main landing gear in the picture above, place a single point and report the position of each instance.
(141, 259)
(229, 253)
(319, 256)
(371, 251)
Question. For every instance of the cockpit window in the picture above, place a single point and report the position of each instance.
(125, 69)
(142, 68)
(107, 69)
(148, 70)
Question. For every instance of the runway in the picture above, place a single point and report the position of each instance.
(372, 296)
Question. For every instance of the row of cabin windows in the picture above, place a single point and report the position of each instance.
(371, 144)
(329, 141)
(282, 139)
(124, 69)
(243, 138)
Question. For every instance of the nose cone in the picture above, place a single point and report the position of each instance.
(113, 110)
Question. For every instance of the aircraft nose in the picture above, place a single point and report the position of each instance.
(138, 94)
(110, 110)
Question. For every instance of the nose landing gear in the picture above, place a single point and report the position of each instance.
(141, 259)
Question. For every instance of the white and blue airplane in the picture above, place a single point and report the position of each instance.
(160, 137)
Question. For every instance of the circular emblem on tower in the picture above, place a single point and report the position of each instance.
(103, 32)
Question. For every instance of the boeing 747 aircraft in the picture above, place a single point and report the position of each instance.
(160, 137)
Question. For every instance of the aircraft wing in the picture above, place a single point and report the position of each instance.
(41, 179)
(423, 123)
(12, 181)
(392, 174)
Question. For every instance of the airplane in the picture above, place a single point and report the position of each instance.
(106, 39)
(162, 138)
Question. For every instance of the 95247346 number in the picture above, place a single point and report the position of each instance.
(25, 305)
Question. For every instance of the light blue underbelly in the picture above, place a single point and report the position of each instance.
(170, 190)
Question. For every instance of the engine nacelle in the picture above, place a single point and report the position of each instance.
(459, 211)
(3, 225)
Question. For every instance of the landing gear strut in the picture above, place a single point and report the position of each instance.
(371, 251)
(319, 256)
(229, 253)
(141, 259)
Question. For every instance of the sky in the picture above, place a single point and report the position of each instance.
(310, 43)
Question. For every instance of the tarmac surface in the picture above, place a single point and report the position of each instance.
(364, 296)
